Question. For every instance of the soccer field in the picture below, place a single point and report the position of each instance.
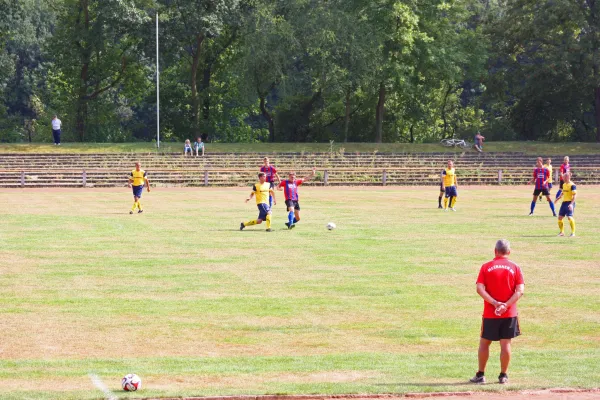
(384, 303)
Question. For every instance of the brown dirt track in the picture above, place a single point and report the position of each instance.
(549, 394)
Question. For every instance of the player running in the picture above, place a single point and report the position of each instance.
(567, 207)
(262, 190)
(137, 180)
(564, 168)
(290, 190)
(541, 177)
(271, 173)
(449, 186)
(548, 166)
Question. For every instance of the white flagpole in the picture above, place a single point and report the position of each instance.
(157, 90)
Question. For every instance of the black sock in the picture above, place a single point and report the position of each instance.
(440, 201)
(479, 374)
(502, 375)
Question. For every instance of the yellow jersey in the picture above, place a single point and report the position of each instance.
(569, 190)
(449, 177)
(261, 192)
(138, 177)
(549, 168)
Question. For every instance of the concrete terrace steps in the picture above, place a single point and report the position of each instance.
(230, 169)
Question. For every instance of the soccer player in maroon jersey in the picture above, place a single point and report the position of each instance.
(564, 168)
(270, 173)
(500, 283)
(541, 176)
(290, 190)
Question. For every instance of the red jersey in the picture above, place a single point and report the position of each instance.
(290, 189)
(269, 171)
(541, 175)
(564, 168)
(500, 278)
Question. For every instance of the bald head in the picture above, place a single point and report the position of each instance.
(502, 247)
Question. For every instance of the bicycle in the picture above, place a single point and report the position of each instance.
(456, 143)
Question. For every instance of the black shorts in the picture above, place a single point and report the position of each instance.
(545, 192)
(293, 203)
(500, 328)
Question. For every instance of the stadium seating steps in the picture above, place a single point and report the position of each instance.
(239, 169)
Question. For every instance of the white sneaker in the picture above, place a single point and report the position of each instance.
(445, 209)
(572, 235)
(561, 234)
(453, 209)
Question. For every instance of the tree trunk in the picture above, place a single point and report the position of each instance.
(85, 53)
(597, 112)
(379, 114)
(347, 117)
(206, 95)
(268, 117)
(444, 111)
(412, 133)
(194, 84)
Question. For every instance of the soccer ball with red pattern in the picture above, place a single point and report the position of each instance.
(131, 383)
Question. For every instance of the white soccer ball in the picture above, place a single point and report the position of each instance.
(331, 226)
(131, 383)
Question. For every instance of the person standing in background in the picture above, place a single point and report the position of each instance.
(56, 124)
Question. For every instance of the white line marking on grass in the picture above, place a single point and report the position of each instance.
(102, 387)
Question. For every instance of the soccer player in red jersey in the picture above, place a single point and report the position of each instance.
(290, 190)
(541, 176)
(270, 173)
(564, 168)
(500, 283)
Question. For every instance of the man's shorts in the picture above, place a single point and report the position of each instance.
(564, 209)
(137, 190)
(263, 210)
(544, 192)
(293, 203)
(451, 191)
(500, 328)
(272, 185)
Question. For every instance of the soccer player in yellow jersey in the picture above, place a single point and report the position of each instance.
(449, 185)
(569, 192)
(137, 181)
(548, 166)
(262, 190)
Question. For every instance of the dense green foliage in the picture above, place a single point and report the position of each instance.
(301, 70)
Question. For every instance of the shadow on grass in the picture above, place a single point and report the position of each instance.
(439, 384)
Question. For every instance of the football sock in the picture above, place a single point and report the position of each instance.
(296, 220)
(270, 201)
(440, 201)
(445, 202)
(268, 220)
(453, 201)
(561, 226)
(250, 223)
(552, 207)
(532, 206)
(480, 374)
(134, 205)
(558, 194)
(139, 205)
(572, 223)
(291, 217)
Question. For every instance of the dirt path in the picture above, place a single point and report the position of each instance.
(548, 394)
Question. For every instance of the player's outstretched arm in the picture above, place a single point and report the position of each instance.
(272, 192)
(312, 174)
(147, 184)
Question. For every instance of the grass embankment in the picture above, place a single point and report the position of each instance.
(533, 148)
(384, 303)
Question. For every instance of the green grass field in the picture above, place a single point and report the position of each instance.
(384, 303)
(533, 148)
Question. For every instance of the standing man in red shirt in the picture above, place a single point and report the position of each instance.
(564, 168)
(270, 173)
(290, 189)
(500, 284)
